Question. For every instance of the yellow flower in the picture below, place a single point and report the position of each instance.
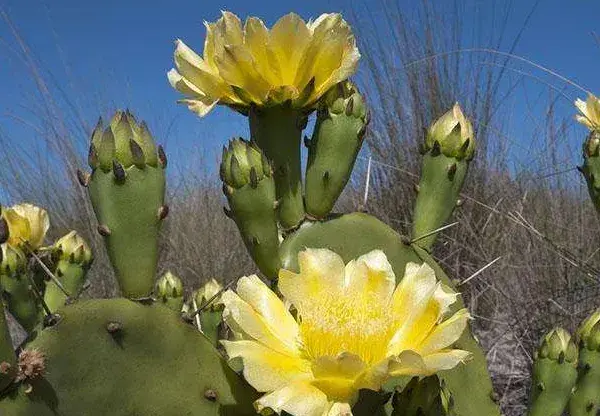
(250, 64)
(590, 112)
(26, 224)
(354, 329)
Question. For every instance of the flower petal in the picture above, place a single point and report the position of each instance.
(445, 360)
(446, 333)
(199, 107)
(371, 273)
(339, 409)
(265, 369)
(289, 38)
(257, 40)
(408, 363)
(18, 227)
(243, 319)
(298, 399)
(253, 291)
(38, 221)
(320, 269)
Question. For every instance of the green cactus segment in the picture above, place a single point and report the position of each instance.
(169, 291)
(336, 141)
(129, 214)
(8, 368)
(439, 188)
(425, 397)
(74, 260)
(353, 235)
(207, 299)
(17, 288)
(554, 374)
(591, 166)
(249, 186)
(586, 397)
(118, 357)
(278, 131)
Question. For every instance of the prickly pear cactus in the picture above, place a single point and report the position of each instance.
(127, 190)
(554, 374)
(426, 397)
(337, 138)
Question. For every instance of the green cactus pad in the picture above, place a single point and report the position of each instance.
(21, 301)
(72, 278)
(8, 368)
(129, 214)
(118, 357)
(352, 235)
(586, 397)
(442, 178)
(591, 167)
(336, 141)
(424, 397)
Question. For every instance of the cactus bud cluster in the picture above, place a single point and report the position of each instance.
(559, 346)
(207, 294)
(169, 290)
(12, 261)
(243, 163)
(452, 135)
(74, 249)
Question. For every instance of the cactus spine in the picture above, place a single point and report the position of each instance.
(336, 141)
(586, 397)
(127, 188)
(554, 374)
(249, 186)
(447, 151)
(74, 260)
(278, 131)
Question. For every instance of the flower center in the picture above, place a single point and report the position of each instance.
(357, 324)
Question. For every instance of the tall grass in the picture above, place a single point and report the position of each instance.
(523, 202)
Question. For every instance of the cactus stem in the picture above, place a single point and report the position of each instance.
(83, 178)
(118, 171)
(326, 176)
(163, 211)
(162, 157)
(103, 230)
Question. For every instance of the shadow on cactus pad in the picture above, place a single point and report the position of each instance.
(119, 357)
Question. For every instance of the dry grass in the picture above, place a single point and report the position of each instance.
(522, 204)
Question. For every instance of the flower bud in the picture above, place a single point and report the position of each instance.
(12, 262)
(558, 345)
(169, 286)
(243, 163)
(590, 112)
(453, 134)
(589, 331)
(207, 293)
(27, 224)
(74, 249)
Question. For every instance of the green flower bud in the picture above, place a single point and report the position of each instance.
(453, 134)
(74, 249)
(169, 286)
(243, 163)
(344, 97)
(558, 345)
(589, 331)
(13, 261)
(122, 144)
(208, 292)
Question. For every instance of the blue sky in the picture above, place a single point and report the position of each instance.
(115, 54)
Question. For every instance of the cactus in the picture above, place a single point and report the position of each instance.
(127, 187)
(206, 306)
(447, 151)
(426, 397)
(16, 284)
(591, 166)
(119, 357)
(554, 374)
(337, 138)
(586, 397)
(169, 291)
(249, 186)
(74, 260)
(8, 369)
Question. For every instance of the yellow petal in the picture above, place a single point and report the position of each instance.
(253, 291)
(446, 333)
(445, 360)
(336, 376)
(298, 399)
(371, 273)
(198, 106)
(242, 318)
(38, 223)
(320, 269)
(18, 227)
(257, 40)
(408, 363)
(289, 39)
(265, 369)
(339, 409)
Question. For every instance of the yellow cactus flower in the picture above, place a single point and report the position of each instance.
(590, 112)
(27, 224)
(354, 329)
(250, 64)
